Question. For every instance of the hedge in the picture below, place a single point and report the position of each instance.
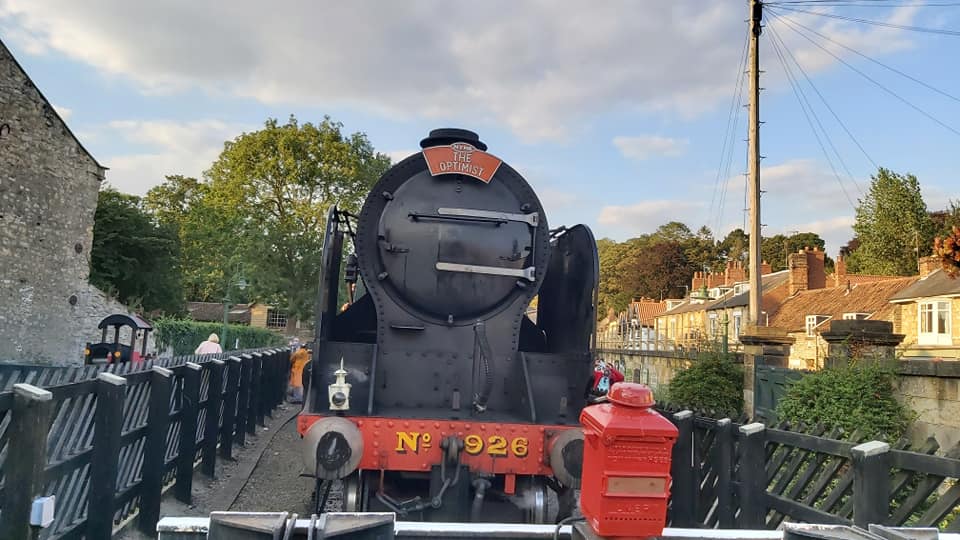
(712, 382)
(853, 397)
(185, 335)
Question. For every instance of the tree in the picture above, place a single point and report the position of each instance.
(734, 247)
(776, 249)
(892, 225)
(274, 188)
(134, 257)
(662, 271)
(209, 248)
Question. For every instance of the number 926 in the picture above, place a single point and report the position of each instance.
(495, 445)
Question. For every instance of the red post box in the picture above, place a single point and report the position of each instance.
(626, 464)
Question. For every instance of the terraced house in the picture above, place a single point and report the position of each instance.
(928, 315)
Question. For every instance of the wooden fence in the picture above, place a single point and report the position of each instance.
(108, 447)
(752, 476)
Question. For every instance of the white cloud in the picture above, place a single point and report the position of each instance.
(646, 146)
(540, 67)
(646, 216)
(170, 147)
(397, 156)
(64, 112)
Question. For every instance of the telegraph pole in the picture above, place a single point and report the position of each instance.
(756, 15)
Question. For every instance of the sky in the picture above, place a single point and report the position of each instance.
(617, 112)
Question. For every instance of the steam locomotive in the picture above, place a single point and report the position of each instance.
(437, 393)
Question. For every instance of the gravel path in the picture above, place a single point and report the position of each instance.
(276, 484)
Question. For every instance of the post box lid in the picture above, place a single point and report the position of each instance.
(631, 395)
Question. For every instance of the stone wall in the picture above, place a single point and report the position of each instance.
(930, 389)
(48, 196)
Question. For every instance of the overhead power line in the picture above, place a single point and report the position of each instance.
(719, 186)
(856, 3)
(804, 105)
(866, 21)
(786, 50)
(878, 84)
(790, 22)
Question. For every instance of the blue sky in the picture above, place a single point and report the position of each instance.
(615, 111)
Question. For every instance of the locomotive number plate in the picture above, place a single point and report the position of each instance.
(474, 445)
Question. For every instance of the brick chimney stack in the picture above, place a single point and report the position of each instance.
(816, 269)
(806, 270)
(840, 270)
(797, 264)
(697, 281)
(928, 265)
(734, 273)
(765, 268)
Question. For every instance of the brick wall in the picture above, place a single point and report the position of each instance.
(48, 196)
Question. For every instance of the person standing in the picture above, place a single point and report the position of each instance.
(298, 360)
(210, 346)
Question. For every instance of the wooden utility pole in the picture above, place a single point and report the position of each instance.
(756, 15)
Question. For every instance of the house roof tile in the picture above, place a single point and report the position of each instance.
(937, 283)
(870, 297)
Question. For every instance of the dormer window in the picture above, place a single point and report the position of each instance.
(813, 321)
(855, 316)
(741, 288)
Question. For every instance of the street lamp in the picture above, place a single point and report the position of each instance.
(240, 284)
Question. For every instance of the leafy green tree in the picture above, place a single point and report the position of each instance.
(274, 188)
(734, 246)
(662, 270)
(892, 225)
(775, 249)
(209, 248)
(134, 257)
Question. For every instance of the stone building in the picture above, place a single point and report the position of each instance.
(48, 196)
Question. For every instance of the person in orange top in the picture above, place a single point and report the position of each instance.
(298, 360)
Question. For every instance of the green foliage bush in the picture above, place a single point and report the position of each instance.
(857, 396)
(713, 382)
(185, 335)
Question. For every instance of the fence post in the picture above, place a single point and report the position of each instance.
(256, 387)
(212, 426)
(188, 432)
(230, 407)
(243, 397)
(26, 458)
(753, 476)
(871, 483)
(684, 490)
(723, 448)
(105, 458)
(155, 449)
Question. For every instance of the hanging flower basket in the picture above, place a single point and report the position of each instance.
(947, 249)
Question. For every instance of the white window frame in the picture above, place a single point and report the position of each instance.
(927, 312)
(812, 322)
(275, 316)
(737, 322)
(714, 327)
(856, 316)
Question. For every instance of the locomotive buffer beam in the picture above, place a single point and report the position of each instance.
(525, 273)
